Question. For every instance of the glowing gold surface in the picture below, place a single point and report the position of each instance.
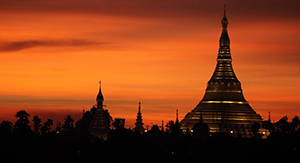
(224, 102)
(237, 91)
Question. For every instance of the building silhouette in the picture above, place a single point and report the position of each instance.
(223, 107)
(177, 120)
(139, 125)
(99, 126)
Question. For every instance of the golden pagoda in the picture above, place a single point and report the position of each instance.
(223, 107)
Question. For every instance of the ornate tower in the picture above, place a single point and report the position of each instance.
(139, 121)
(99, 126)
(223, 106)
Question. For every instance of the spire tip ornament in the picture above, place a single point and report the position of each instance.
(224, 21)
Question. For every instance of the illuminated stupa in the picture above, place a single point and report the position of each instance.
(223, 107)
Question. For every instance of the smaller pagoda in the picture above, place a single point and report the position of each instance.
(139, 121)
(99, 126)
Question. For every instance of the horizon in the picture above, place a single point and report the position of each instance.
(52, 56)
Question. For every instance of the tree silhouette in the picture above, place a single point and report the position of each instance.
(174, 128)
(119, 123)
(295, 124)
(58, 127)
(255, 129)
(68, 124)
(200, 129)
(6, 128)
(155, 131)
(108, 117)
(170, 125)
(86, 119)
(46, 128)
(282, 126)
(82, 125)
(120, 133)
(36, 125)
(93, 110)
(22, 124)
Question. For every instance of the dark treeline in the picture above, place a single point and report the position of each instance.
(71, 142)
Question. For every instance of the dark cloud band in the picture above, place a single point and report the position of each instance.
(6, 46)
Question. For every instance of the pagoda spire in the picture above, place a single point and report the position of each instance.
(99, 98)
(177, 121)
(139, 107)
(162, 126)
(224, 50)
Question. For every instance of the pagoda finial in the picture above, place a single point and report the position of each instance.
(224, 20)
(139, 106)
(224, 39)
(177, 121)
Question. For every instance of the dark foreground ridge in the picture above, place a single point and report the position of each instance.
(67, 148)
(69, 143)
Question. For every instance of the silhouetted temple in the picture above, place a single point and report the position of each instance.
(223, 107)
(99, 126)
(139, 121)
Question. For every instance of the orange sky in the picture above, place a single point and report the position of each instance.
(52, 55)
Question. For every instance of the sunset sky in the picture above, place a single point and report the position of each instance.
(53, 54)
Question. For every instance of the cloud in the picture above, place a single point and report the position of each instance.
(9, 46)
(40, 99)
(158, 9)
